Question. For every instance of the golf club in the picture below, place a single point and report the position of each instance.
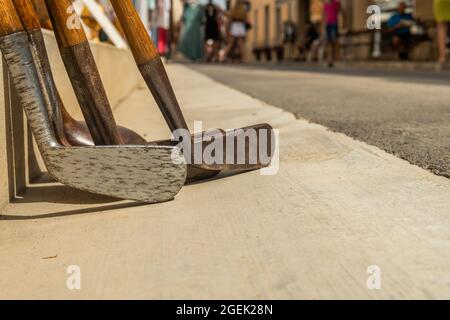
(75, 132)
(74, 47)
(153, 71)
(142, 173)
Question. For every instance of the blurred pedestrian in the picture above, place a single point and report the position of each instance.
(238, 25)
(442, 14)
(331, 10)
(212, 31)
(400, 26)
(191, 38)
(311, 41)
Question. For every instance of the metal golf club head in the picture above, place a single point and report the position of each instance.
(142, 173)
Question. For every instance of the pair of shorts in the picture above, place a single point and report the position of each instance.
(238, 29)
(212, 32)
(332, 31)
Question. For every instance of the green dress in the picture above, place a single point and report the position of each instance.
(442, 10)
(191, 40)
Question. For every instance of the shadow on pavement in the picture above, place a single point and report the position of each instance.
(45, 190)
(19, 217)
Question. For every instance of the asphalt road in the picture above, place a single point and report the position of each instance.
(406, 113)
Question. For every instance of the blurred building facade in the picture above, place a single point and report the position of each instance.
(271, 20)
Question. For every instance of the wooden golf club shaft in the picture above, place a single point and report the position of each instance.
(27, 15)
(149, 63)
(83, 73)
(9, 19)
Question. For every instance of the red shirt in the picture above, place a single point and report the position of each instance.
(331, 10)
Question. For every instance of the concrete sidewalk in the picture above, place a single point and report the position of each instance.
(336, 207)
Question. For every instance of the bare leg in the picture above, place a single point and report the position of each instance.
(335, 51)
(396, 45)
(225, 52)
(241, 44)
(314, 52)
(442, 40)
(205, 50)
(330, 53)
(216, 49)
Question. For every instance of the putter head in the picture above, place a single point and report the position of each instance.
(243, 149)
(142, 173)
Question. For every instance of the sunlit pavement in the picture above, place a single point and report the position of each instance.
(341, 219)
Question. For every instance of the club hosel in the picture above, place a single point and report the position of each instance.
(30, 22)
(24, 77)
(55, 104)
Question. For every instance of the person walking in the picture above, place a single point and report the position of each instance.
(212, 31)
(442, 14)
(237, 30)
(400, 27)
(331, 10)
(191, 39)
(311, 42)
